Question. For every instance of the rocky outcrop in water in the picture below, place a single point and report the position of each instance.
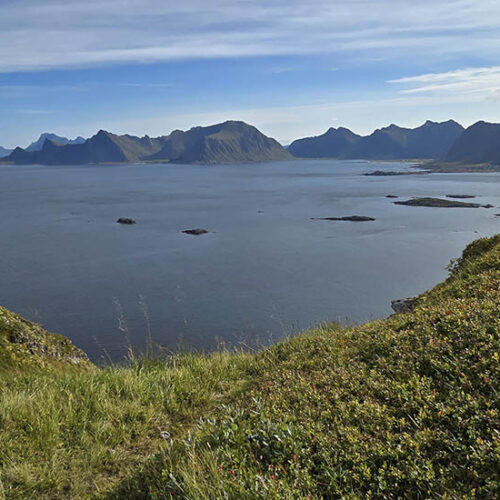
(349, 218)
(439, 203)
(195, 232)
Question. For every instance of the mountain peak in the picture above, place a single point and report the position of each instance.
(57, 139)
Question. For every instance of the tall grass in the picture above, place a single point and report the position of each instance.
(74, 433)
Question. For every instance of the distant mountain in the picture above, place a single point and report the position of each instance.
(56, 139)
(4, 152)
(334, 143)
(228, 142)
(480, 143)
(104, 147)
(431, 140)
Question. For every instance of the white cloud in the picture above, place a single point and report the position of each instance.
(475, 83)
(55, 33)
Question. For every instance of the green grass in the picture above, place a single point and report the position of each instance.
(402, 407)
(79, 432)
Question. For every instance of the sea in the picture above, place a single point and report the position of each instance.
(265, 270)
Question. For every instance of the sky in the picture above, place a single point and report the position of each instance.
(293, 68)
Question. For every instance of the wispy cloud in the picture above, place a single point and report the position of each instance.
(38, 35)
(476, 83)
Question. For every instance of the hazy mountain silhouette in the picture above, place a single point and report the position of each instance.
(334, 143)
(104, 147)
(480, 143)
(431, 140)
(229, 142)
(4, 152)
(60, 141)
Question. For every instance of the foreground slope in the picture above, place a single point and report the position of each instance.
(25, 345)
(402, 407)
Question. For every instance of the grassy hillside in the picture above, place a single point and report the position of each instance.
(403, 407)
(26, 346)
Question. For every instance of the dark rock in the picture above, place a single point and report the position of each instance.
(195, 232)
(392, 196)
(351, 218)
(460, 196)
(437, 202)
(125, 220)
(488, 205)
(383, 173)
(403, 305)
(387, 173)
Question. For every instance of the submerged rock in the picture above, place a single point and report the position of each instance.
(438, 202)
(125, 220)
(351, 218)
(195, 232)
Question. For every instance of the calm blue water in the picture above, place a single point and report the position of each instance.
(265, 270)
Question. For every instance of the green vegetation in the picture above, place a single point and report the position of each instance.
(403, 407)
(25, 345)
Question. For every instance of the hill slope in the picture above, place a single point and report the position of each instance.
(480, 143)
(25, 345)
(228, 142)
(402, 407)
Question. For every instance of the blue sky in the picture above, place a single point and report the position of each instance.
(292, 68)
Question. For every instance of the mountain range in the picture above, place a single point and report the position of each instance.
(57, 139)
(237, 142)
(429, 141)
(228, 142)
(480, 143)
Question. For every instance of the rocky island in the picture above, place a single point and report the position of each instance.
(349, 218)
(438, 202)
